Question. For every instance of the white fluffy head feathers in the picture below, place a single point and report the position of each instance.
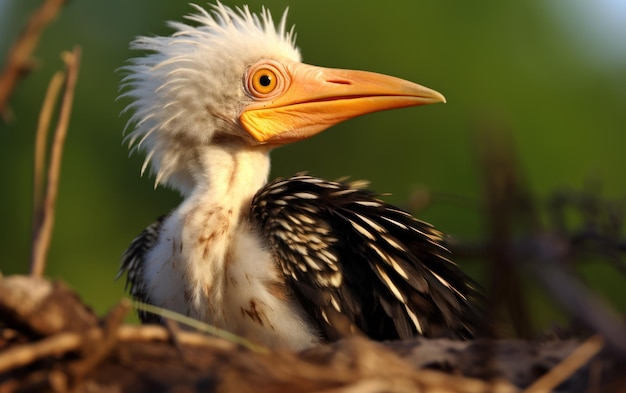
(188, 87)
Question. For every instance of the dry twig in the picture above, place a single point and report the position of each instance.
(26, 354)
(101, 348)
(41, 138)
(507, 206)
(568, 366)
(130, 333)
(43, 233)
(18, 59)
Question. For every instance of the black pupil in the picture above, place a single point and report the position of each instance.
(265, 80)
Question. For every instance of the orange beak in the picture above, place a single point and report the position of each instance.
(316, 98)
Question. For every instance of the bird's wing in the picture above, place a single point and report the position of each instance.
(357, 263)
(133, 261)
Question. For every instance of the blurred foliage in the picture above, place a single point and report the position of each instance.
(519, 65)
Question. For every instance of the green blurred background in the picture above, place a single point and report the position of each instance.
(552, 73)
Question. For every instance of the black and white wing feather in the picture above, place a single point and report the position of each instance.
(133, 262)
(356, 263)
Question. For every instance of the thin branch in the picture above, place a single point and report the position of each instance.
(97, 352)
(23, 355)
(19, 57)
(43, 234)
(580, 302)
(148, 333)
(507, 206)
(41, 138)
(561, 372)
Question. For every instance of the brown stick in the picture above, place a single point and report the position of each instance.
(568, 366)
(18, 59)
(99, 349)
(159, 333)
(25, 354)
(43, 234)
(41, 138)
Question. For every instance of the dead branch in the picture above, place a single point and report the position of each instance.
(19, 58)
(156, 333)
(41, 138)
(43, 233)
(575, 361)
(26, 354)
(100, 349)
(506, 201)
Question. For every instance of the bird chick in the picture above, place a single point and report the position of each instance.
(298, 261)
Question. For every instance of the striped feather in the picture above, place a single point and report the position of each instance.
(385, 271)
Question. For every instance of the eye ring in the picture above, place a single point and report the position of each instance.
(265, 80)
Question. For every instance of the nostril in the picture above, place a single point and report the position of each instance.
(339, 81)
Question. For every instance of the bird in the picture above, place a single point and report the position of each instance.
(293, 262)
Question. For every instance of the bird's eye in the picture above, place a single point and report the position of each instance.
(263, 81)
(266, 79)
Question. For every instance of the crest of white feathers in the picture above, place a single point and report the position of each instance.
(188, 87)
